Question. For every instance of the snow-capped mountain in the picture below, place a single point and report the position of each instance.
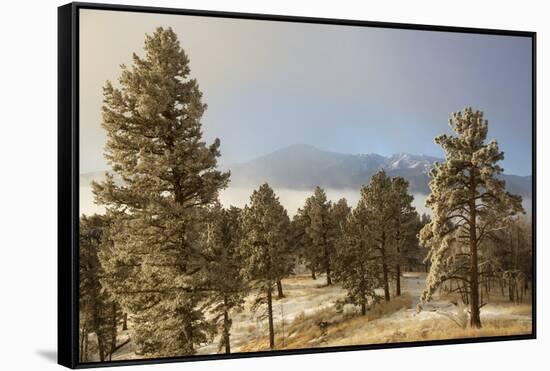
(409, 161)
(301, 166)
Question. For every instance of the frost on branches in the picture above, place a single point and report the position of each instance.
(469, 204)
(264, 247)
(154, 142)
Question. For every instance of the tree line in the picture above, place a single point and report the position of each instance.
(237, 252)
(167, 254)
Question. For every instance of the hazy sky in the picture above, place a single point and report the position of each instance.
(340, 88)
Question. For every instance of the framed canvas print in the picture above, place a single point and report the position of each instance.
(238, 185)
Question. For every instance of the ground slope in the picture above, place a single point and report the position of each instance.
(308, 318)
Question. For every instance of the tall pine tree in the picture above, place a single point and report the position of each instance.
(318, 231)
(378, 200)
(154, 142)
(264, 245)
(221, 238)
(404, 224)
(339, 214)
(302, 241)
(356, 260)
(469, 203)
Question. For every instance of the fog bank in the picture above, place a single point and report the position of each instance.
(292, 199)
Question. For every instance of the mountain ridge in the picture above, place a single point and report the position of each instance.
(303, 166)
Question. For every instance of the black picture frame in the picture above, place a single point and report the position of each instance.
(68, 181)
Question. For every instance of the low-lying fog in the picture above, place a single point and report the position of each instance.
(291, 199)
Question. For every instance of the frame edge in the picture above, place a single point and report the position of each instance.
(66, 313)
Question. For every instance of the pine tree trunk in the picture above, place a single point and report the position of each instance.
(475, 320)
(190, 335)
(364, 296)
(386, 282)
(85, 347)
(101, 348)
(82, 338)
(280, 293)
(397, 280)
(270, 318)
(113, 331)
(385, 268)
(327, 266)
(522, 293)
(226, 325)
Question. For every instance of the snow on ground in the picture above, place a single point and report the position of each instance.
(305, 296)
(433, 321)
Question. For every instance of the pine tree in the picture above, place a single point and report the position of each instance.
(318, 231)
(469, 203)
(356, 259)
(302, 241)
(377, 197)
(404, 224)
(99, 313)
(339, 214)
(265, 226)
(154, 142)
(223, 276)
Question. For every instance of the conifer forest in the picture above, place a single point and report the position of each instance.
(417, 248)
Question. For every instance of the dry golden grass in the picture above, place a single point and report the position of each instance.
(302, 330)
(436, 327)
(379, 326)
(434, 330)
(515, 309)
(386, 308)
(307, 332)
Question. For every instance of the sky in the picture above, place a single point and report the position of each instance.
(340, 88)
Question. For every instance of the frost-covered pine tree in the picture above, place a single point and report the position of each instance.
(469, 202)
(356, 259)
(339, 214)
(301, 240)
(318, 230)
(154, 142)
(377, 197)
(221, 237)
(99, 312)
(264, 247)
(404, 224)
